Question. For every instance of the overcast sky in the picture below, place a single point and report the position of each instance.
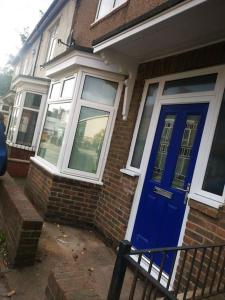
(14, 16)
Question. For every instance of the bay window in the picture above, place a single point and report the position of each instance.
(106, 6)
(78, 124)
(24, 120)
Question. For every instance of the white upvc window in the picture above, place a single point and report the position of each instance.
(78, 125)
(106, 6)
(25, 119)
(200, 86)
(52, 41)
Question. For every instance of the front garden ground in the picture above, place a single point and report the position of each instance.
(61, 245)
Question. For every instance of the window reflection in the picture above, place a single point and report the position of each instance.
(88, 140)
(53, 132)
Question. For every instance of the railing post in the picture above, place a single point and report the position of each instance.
(119, 271)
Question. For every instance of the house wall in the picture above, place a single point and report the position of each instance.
(65, 18)
(62, 200)
(111, 204)
(87, 29)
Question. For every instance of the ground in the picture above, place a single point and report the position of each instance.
(59, 244)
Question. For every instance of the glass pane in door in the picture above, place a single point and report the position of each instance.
(163, 147)
(184, 157)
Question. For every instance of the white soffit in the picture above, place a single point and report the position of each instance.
(189, 25)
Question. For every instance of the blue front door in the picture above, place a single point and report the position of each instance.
(169, 173)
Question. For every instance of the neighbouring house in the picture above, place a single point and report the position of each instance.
(31, 84)
(132, 139)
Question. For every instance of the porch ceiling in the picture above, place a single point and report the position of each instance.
(194, 27)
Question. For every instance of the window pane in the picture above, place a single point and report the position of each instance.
(119, 2)
(190, 85)
(144, 125)
(215, 173)
(55, 91)
(99, 90)
(32, 100)
(27, 127)
(53, 132)
(88, 140)
(68, 85)
(105, 7)
(185, 151)
(163, 148)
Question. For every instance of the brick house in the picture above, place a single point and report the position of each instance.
(132, 138)
(30, 84)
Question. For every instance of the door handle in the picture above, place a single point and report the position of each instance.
(186, 191)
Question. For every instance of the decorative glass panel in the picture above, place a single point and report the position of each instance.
(144, 126)
(163, 148)
(88, 139)
(190, 85)
(185, 151)
(99, 90)
(32, 100)
(68, 86)
(27, 127)
(55, 91)
(215, 173)
(53, 132)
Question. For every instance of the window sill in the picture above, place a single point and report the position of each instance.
(109, 14)
(205, 200)
(20, 146)
(130, 172)
(55, 172)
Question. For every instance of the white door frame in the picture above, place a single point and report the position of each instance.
(214, 99)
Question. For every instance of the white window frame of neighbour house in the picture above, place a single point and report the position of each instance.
(19, 105)
(52, 40)
(112, 5)
(61, 168)
(214, 98)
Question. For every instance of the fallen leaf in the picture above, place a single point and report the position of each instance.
(91, 269)
(75, 257)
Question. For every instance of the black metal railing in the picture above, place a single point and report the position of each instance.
(187, 272)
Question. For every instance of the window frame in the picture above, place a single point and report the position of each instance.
(52, 41)
(214, 99)
(77, 103)
(97, 18)
(19, 105)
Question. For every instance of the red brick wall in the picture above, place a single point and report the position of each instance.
(19, 153)
(205, 225)
(20, 222)
(62, 200)
(85, 33)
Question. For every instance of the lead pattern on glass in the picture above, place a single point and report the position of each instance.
(184, 157)
(163, 148)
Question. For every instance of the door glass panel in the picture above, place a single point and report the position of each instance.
(144, 125)
(184, 157)
(163, 147)
(190, 85)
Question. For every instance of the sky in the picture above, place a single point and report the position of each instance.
(15, 15)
